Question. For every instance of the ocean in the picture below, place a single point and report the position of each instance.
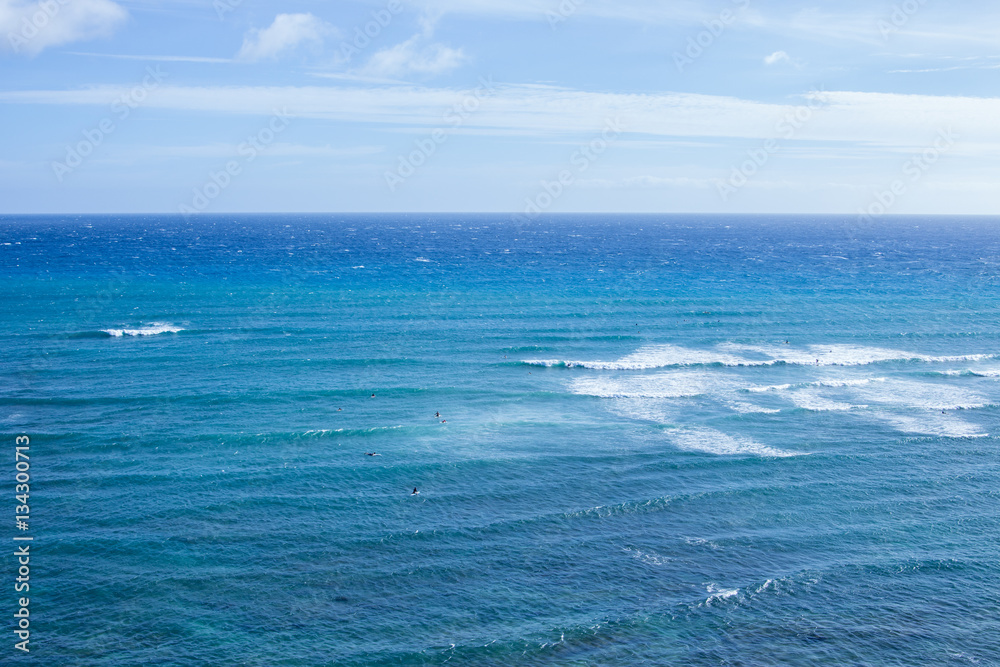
(637, 440)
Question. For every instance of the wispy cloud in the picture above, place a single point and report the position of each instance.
(643, 11)
(878, 120)
(165, 59)
(416, 55)
(647, 182)
(31, 27)
(777, 57)
(286, 34)
(223, 150)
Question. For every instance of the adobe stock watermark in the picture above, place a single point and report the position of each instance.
(363, 35)
(786, 129)
(901, 15)
(581, 160)
(562, 13)
(35, 24)
(219, 181)
(424, 148)
(914, 170)
(714, 29)
(223, 7)
(93, 137)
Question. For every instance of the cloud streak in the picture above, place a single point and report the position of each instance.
(883, 120)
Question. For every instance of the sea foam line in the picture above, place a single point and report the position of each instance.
(664, 356)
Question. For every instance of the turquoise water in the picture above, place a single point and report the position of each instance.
(662, 440)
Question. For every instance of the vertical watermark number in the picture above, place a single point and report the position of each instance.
(22, 541)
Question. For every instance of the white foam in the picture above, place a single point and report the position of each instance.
(750, 408)
(711, 441)
(647, 358)
(925, 395)
(661, 385)
(945, 426)
(811, 399)
(659, 411)
(733, 354)
(774, 387)
(151, 329)
(759, 389)
(647, 558)
(699, 541)
(765, 586)
(716, 592)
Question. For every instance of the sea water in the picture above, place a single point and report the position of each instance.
(683, 440)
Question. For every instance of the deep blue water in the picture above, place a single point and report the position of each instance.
(668, 440)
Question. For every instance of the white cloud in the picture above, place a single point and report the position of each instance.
(415, 56)
(31, 27)
(288, 32)
(411, 58)
(776, 57)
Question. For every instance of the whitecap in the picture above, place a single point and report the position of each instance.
(152, 329)
(716, 592)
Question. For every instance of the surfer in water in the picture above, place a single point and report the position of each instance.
(437, 414)
(415, 492)
(372, 454)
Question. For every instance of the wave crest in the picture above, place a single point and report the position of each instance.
(732, 354)
(151, 329)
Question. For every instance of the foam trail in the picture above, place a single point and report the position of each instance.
(711, 441)
(661, 385)
(945, 426)
(750, 408)
(658, 411)
(810, 399)
(924, 395)
(152, 329)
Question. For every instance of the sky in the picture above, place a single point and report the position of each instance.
(525, 106)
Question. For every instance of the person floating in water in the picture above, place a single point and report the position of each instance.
(373, 395)
(437, 414)
(340, 409)
(444, 421)
(415, 492)
(372, 454)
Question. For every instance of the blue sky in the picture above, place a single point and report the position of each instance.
(489, 105)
